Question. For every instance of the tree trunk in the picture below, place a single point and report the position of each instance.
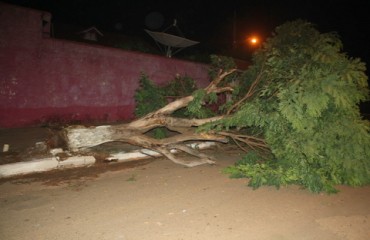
(79, 137)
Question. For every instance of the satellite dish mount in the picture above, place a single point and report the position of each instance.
(171, 44)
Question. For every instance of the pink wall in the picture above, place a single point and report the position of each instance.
(44, 79)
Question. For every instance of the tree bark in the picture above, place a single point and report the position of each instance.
(79, 137)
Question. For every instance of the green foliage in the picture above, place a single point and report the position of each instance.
(180, 87)
(269, 172)
(159, 132)
(306, 105)
(177, 88)
(220, 63)
(196, 107)
(148, 97)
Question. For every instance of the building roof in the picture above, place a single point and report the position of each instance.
(91, 29)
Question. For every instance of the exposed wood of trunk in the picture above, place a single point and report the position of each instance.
(79, 137)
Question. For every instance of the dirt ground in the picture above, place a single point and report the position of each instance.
(156, 199)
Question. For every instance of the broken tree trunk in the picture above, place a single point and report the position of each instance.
(79, 137)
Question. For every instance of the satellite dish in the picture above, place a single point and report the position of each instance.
(170, 41)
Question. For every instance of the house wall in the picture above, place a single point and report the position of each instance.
(44, 80)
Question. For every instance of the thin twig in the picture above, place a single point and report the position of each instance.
(251, 91)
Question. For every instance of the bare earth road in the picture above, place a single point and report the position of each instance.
(161, 200)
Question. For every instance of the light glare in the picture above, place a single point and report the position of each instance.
(253, 40)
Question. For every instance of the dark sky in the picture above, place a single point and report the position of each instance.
(213, 21)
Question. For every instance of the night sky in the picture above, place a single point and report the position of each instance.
(216, 22)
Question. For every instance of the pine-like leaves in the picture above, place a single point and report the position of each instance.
(307, 107)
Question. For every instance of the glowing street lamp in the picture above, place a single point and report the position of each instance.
(253, 41)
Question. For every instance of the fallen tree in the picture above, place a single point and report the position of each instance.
(79, 137)
(294, 111)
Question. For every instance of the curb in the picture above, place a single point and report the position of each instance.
(43, 165)
(52, 163)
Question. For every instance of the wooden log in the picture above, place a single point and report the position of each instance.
(79, 137)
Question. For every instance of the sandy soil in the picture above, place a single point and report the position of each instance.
(156, 199)
(161, 200)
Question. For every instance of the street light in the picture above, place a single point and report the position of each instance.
(253, 41)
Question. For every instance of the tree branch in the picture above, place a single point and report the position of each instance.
(250, 92)
(252, 142)
(135, 132)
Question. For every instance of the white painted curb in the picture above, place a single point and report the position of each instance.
(44, 164)
(38, 165)
(76, 161)
(47, 164)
